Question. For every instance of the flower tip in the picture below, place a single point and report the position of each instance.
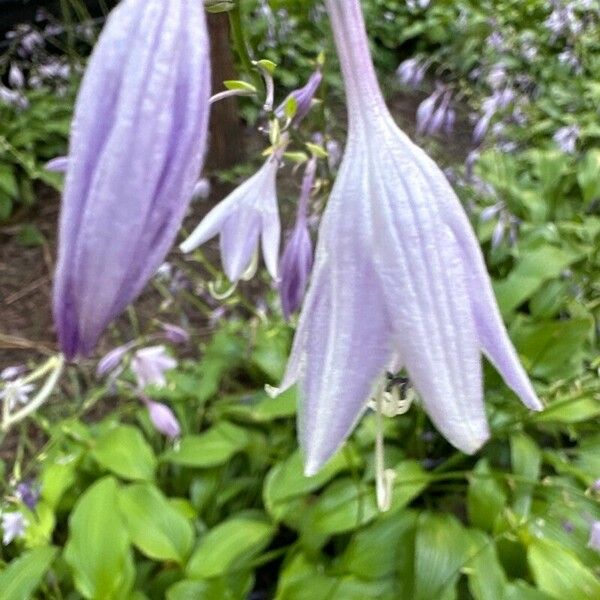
(311, 468)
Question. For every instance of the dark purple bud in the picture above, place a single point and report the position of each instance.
(304, 97)
(296, 262)
(137, 146)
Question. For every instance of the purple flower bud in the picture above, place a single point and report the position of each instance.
(498, 233)
(201, 189)
(28, 493)
(334, 154)
(136, 149)
(149, 366)
(60, 164)
(426, 110)
(304, 97)
(297, 259)
(481, 128)
(111, 360)
(175, 334)
(411, 72)
(438, 119)
(163, 419)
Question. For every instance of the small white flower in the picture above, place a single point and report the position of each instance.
(150, 365)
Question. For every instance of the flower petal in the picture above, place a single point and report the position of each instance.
(239, 241)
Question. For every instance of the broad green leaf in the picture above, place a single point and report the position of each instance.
(343, 506)
(98, 549)
(535, 268)
(124, 451)
(486, 497)
(559, 573)
(57, 477)
(229, 546)
(8, 181)
(441, 551)
(522, 591)
(286, 481)
(394, 532)
(243, 86)
(588, 176)
(210, 449)
(237, 587)
(20, 579)
(526, 461)
(411, 479)
(155, 527)
(570, 411)
(487, 580)
(552, 349)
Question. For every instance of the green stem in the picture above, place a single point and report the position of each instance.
(241, 46)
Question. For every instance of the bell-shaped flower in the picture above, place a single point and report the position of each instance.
(399, 281)
(250, 212)
(136, 151)
(297, 258)
(149, 366)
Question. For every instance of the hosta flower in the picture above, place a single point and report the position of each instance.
(399, 281)
(250, 212)
(297, 258)
(566, 138)
(13, 526)
(149, 366)
(136, 151)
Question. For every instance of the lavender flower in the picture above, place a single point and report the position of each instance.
(201, 189)
(163, 419)
(112, 360)
(566, 138)
(13, 526)
(304, 98)
(411, 72)
(399, 281)
(16, 77)
(248, 213)
(149, 366)
(12, 372)
(137, 144)
(594, 541)
(297, 259)
(426, 111)
(28, 493)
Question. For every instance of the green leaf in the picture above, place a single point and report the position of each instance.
(552, 349)
(229, 546)
(267, 65)
(588, 176)
(124, 451)
(486, 497)
(441, 550)
(535, 268)
(237, 84)
(215, 447)
(20, 579)
(155, 527)
(559, 573)
(237, 588)
(286, 482)
(8, 181)
(526, 461)
(98, 550)
(487, 580)
(394, 532)
(345, 505)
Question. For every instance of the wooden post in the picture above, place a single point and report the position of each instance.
(226, 135)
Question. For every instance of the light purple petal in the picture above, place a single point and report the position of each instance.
(60, 164)
(136, 150)
(239, 241)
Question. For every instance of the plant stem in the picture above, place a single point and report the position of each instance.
(241, 46)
